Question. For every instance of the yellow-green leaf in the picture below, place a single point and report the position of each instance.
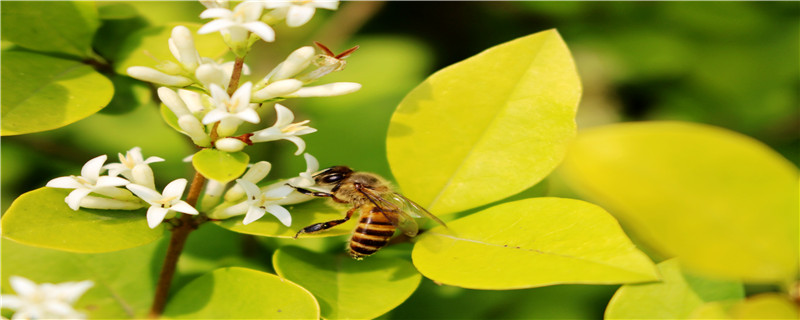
(347, 288)
(532, 243)
(41, 218)
(220, 165)
(487, 127)
(42, 93)
(765, 306)
(51, 26)
(303, 215)
(239, 293)
(726, 204)
(675, 297)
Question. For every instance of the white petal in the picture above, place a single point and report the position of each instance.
(285, 116)
(136, 154)
(219, 95)
(253, 214)
(115, 169)
(191, 99)
(22, 286)
(278, 89)
(144, 193)
(250, 189)
(312, 164)
(73, 200)
(216, 25)
(327, 90)
(268, 134)
(73, 290)
(249, 115)
(251, 10)
(155, 215)
(216, 13)
(211, 74)
(294, 63)
(299, 15)
(142, 174)
(227, 127)
(279, 192)
(114, 193)
(280, 213)
(241, 98)
(192, 126)
(158, 77)
(257, 172)
(184, 207)
(175, 188)
(301, 145)
(214, 116)
(107, 181)
(10, 301)
(262, 30)
(153, 160)
(91, 170)
(64, 183)
(272, 4)
(92, 202)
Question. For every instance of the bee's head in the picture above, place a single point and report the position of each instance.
(332, 175)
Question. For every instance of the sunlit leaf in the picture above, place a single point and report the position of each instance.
(41, 218)
(148, 47)
(124, 281)
(303, 215)
(765, 306)
(50, 26)
(532, 243)
(724, 203)
(116, 11)
(487, 127)
(220, 165)
(675, 297)
(43, 93)
(242, 294)
(347, 288)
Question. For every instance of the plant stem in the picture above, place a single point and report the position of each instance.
(235, 75)
(187, 224)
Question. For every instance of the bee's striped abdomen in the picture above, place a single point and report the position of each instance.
(372, 233)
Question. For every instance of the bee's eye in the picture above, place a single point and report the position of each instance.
(333, 178)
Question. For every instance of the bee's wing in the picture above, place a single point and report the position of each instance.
(415, 209)
(396, 215)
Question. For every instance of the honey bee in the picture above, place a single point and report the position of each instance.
(381, 209)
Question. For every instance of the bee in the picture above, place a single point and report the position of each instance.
(382, 210)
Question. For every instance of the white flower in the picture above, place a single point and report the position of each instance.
(306, 178)
(90, 181)
(232, 107)
(45, 301)
(181, 45)
(217, 73)
(235, 24)
(284, 129)
(256, 173)
(160, 204)
(259, 203)
(301, 11)
(134, 167)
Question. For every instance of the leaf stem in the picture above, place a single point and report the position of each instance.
(186, 225)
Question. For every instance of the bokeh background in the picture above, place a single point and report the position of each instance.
(729, 64)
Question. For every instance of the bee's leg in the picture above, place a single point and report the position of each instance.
(317, 194)
(326, 225)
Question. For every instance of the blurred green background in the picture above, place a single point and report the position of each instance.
(730, 64)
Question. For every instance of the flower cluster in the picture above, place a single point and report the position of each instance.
(44, 301)
(210, 105)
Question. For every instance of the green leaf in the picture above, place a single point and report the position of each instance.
(347, 288)
(242, 294)
(43, 93)
(724, 203)
(532, 243)
(148, 46)
(41, 218)
(675, 297)
(51, 26)
(220, 165)
(303, 215)
(123, 280)
(116, 11)
(501, 119)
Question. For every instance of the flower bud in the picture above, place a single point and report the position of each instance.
(232, 211)
(296, 62)
(209, 73)
(158, 77)
(227, 127)
(212, 194)
(173, 102)
(326, 90)
(230, 144)
(195, 130)
(193, 100)
(279, 88)
(115, 193)
(143, 175)
(182, 47)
